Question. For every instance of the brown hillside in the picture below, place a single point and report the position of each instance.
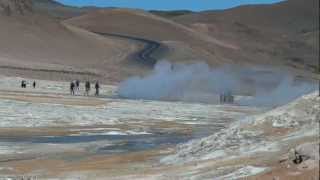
(286, 33)
(289, 16)
(278, 35)
(195, 46)
(31, 42)
(33, 37)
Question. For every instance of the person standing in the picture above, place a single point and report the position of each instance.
(72, 87)
(87, 88)
(78, 85)
(23, 84)
(34, 84)
(97, 87)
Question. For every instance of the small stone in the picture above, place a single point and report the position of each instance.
(276, 178)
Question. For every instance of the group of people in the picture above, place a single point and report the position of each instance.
(226, 97)
(24, 84)
(75, 86)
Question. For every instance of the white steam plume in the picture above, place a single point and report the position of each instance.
(199, 83)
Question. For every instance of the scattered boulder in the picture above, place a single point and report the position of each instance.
(294, 157)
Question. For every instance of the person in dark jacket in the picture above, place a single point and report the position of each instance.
(34, 84)
(97, 87)
(23, 84)
(87, 88)
(72, 87)
(78, 85)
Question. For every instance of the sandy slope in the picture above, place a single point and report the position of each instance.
(146, 25)
(245, 35)
(37, 41)
(286, 33)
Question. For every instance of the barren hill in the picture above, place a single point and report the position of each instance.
(38, 45)
(281, 34)
(36, 37)
(185, 44)
(289, 16)
(286, 33)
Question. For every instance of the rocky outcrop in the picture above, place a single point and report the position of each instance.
(237, 141)
(303, 111)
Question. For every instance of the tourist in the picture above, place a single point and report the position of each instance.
(72, 87)
(87, 88)
(97, 87)
(23, 84)
(78, 85)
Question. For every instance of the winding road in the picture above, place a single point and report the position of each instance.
(145, 55)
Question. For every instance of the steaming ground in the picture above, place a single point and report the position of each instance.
(48, 133)
(45, 132)
(259, 86)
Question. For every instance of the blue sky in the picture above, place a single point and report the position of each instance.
(195, 5)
